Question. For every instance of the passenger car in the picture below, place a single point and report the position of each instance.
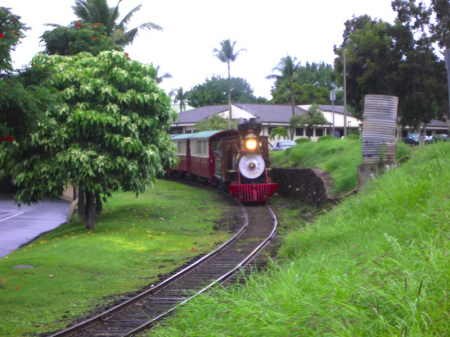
(283, 145)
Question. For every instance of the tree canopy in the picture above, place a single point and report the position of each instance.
(108, 131)
(215, 122)
(76, 38)
(297, 84)
(215, 91)
(395, 59)
(179, 96)
(98, 11)
(313, 116)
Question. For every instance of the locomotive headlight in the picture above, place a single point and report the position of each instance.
(251, 144)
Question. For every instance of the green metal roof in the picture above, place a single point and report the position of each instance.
(198, 135)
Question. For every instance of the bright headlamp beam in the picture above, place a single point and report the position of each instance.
(250, 144)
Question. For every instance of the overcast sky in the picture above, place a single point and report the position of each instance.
(269, 30)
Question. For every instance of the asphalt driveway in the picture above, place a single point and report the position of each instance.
(21, 225)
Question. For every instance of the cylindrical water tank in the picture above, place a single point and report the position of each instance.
(378, 140)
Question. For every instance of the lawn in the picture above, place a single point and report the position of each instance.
(78, 270)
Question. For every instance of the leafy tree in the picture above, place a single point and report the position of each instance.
(78, 38)
(280, 132)
(226, 54)
(313, 116)
(98, 11)
(108, 132)
(215, 91)
(21, 101)
(441, 28)
(215, 122)
(397, 60)
(11, 31)
(303, 94)
(181, 96)
(288, 73)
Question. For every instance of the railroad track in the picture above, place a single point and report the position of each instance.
(222, 265)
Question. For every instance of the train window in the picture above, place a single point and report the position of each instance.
(182, 147)
(193, 147)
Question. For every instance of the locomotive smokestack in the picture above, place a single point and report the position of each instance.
(249, 124)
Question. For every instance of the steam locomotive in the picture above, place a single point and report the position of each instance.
(233, 160)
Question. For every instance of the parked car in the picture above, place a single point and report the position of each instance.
(283, 145)
(441, 138)
(412, 139)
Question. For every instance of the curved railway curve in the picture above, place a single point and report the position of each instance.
(222, 265)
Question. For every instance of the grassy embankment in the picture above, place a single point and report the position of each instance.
(135, 240)
(377, 264)
(340, 158)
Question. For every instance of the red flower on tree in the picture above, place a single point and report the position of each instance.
(94, 38)
(1, 36)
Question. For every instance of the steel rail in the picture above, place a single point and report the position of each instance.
(222, 279)
(109, 313)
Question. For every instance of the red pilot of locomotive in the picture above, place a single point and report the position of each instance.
(233, 160)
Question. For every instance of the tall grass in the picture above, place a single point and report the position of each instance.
(376, 265)
(340, 158)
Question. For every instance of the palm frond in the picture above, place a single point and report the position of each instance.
(272, 77)
(81, 10)
(127, 17)
(114, 12)
(125, 38)
(150, 26)
(53, 25)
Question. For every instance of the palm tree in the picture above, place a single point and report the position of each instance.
(179, 96)
(288, 69)
(98, 11)
(227, 54)
(159, 79)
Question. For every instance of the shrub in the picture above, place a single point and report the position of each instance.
(302, 140)
(324, 138)
(354, 137)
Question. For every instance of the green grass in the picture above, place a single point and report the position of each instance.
(135, 240)
(340, 158)
(378, 264)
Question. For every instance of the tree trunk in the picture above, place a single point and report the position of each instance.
(90, 210)
(81, 204)
(98, 204)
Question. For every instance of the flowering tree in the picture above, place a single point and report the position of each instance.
(11, 30)
(108, 131)
(76, 38)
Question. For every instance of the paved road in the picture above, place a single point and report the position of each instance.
(19, 226)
